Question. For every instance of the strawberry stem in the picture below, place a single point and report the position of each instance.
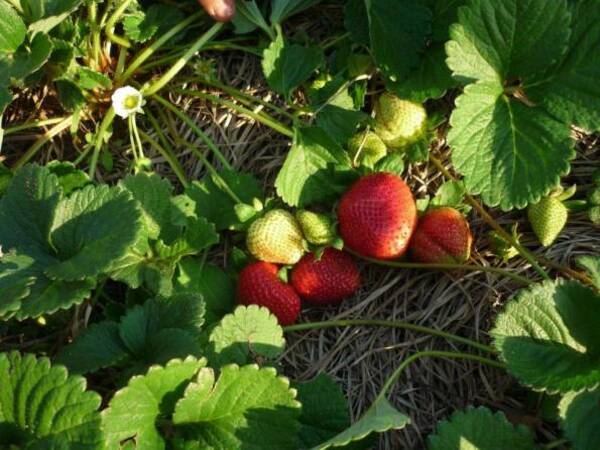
(530, 257)
(432, 354)
(446, 266)
(389, 324)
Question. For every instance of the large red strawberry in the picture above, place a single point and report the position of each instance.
(377, 216)
(327, 280)
(442, 236)
(259, 285)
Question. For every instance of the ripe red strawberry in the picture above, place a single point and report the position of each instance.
(442, 236)
(377, 216)
(259, 285)
(327, 280)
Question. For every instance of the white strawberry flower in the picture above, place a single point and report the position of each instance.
(127, 101)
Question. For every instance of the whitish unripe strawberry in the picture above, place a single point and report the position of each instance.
(548, 217)
(366, 148)
(276, 238)
(318, 229)
(399, 122)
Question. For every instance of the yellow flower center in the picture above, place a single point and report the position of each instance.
(131, 102)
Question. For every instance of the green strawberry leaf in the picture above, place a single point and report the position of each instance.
(97, 347)
(549, 335)
(154, 195)
(248, 17)
(592, 265)
(26, 60)
(69, 177)
(198, 234)
(90, 79)
(157, 20)
(162, 329)
(571, 91)
(340, 123)
(41, 406)
(245, 335)
(451, 193)
(431, 79)
(70, 95)
(511, 155)
(356, 21)
(12, 29)
(134, 410)
(44, 16)
(480, 429)
(381, 416)
(84, 231)
(281, 68)
(5, 99)
(397, 25)
(210, 282)
(324, 410)
(580, 418)
(284, 9)
(444, 14)
(316, 169)
(500, 41)
(215, 204)
(246, 408)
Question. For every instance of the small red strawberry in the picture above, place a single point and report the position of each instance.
(377, 216)
(442, 236)
(327, 280)
(259, 285)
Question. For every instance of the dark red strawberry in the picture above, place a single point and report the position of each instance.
(327, 280)
(259, 285)
(377, 216)
(442, 236)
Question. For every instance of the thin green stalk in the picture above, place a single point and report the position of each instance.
(333, 41)
(45, 138)
(435, 354)
(181, 62)
(132, 142)
(165, 149)
(244, 97)
(446, 266)
(109, 116)
(112, 21)
(33, 124)
(184, 117)
(149, 51)
(215, 174)
(389, 324)
(556, 443)
(94, 40)
(261, 117)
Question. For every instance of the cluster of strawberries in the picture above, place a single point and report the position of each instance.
(377, 218)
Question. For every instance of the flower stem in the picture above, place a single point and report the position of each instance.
(209, 143)
(148, 51)
(446, 266)
(389, 324)
(43, 140)
(181, 62)
(261, 117)
(434, 354)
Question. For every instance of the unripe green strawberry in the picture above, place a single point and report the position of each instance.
(276, 238)
(547, 217)
(594, 215)
(318, 229)
(366, 148)
(399, 122)
(594, 196)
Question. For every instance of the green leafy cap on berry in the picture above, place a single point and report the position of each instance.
(501, 247)
(366, 149)
(594, 215)
(399, 122)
